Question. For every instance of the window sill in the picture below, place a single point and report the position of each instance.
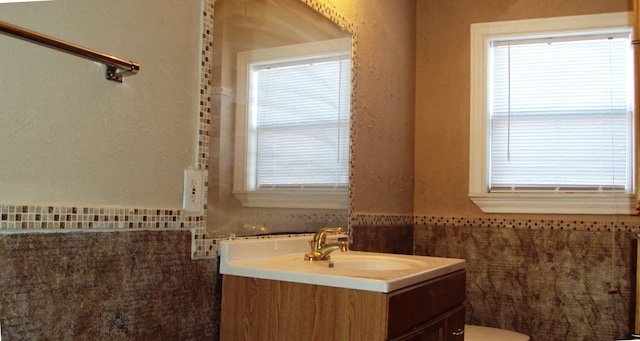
(318, 199)
(537, 203)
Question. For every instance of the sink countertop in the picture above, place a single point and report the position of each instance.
(283, 259)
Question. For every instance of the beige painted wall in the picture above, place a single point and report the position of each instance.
(442, 90)
(70, 137)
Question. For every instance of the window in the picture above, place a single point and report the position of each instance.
(292, 126)
(552, 115)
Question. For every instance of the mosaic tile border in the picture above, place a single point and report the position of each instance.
(322, 8)
(379, 219)
(335, 217)
(364, 219)
(53, 217)
(201, 246)
(616, 223)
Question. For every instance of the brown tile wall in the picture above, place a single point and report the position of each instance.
(551, 284)
(389, 239)
(140, 285)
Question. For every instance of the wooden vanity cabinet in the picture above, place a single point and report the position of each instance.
(260, 309)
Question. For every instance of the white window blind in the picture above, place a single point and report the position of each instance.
(561, 114)
(302, 114)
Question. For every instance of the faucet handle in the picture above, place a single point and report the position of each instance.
(331, 230)
(321, 234)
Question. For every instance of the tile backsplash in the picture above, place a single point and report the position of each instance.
(51, 217)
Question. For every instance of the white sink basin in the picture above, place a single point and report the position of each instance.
(282, 259)
(370, 262)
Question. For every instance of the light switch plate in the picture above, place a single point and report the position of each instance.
(193, 191)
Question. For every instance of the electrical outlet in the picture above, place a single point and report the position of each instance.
(193, 188)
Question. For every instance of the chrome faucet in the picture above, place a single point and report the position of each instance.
(319, 249)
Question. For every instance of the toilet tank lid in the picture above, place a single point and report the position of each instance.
(481, 333)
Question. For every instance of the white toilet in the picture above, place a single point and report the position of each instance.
(480, 333)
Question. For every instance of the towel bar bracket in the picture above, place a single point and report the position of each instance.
(116, 73)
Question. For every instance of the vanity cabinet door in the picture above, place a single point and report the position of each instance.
(455, 325)
(449, 327)
(434, 331)
(424, 302)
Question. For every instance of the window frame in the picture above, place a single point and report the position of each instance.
(536, 202)
(244, 186)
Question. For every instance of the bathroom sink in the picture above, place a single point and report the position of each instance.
(282, 259)
(370, 262)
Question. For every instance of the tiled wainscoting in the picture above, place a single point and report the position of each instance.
(389, 239)
(549, 279)
(140, 285)
(549, 284)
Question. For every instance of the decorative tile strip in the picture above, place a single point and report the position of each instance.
(619, 224)
(55, 217)
(380, 219)
(616, 223)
